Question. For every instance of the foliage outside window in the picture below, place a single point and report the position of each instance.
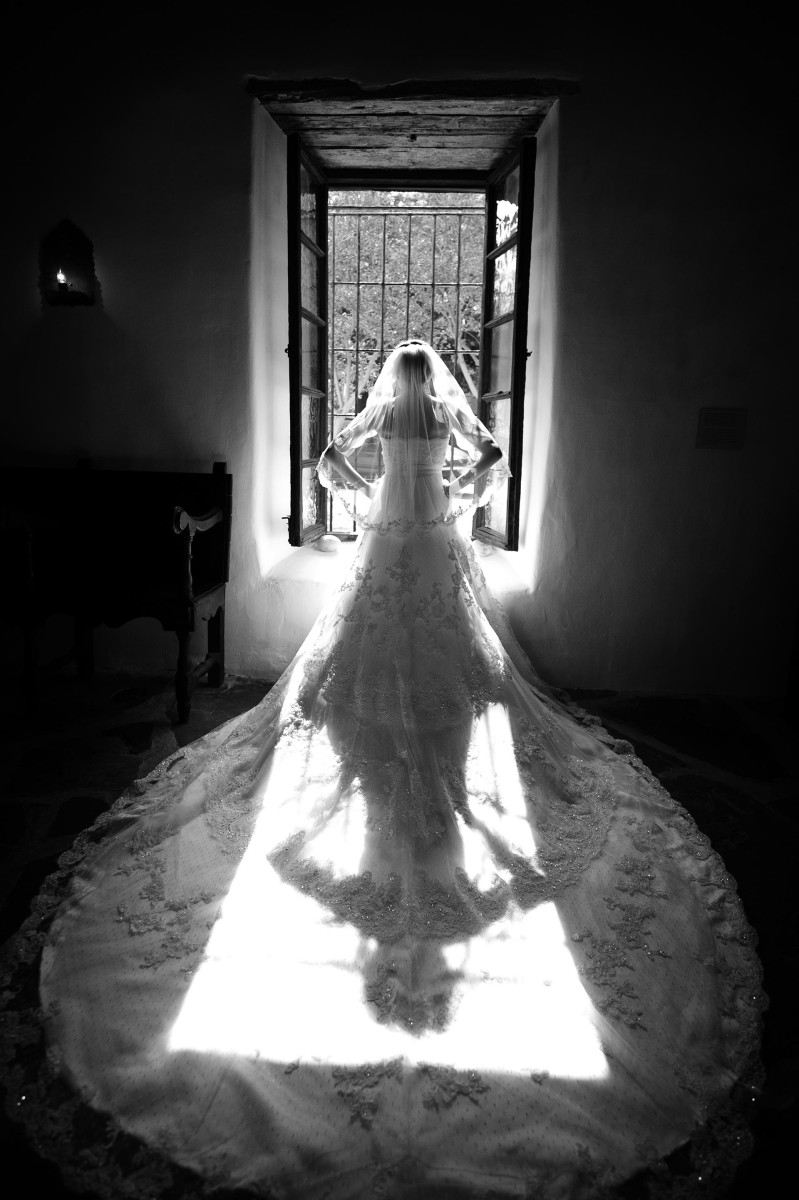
(400, 264)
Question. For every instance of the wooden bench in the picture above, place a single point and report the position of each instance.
(108, 546)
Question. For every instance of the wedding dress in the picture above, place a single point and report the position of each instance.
(413, 926)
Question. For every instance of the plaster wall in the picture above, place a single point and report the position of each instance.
(663, 567)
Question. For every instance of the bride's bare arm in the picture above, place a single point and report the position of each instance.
(339, 464)
(490, 454)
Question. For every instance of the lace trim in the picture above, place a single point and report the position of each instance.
(357, 1086)
(94, 1154)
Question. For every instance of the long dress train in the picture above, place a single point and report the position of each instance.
(413, 926)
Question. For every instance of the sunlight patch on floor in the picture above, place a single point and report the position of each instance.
(283, 981)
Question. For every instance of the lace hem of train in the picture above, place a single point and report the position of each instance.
(95, 1154)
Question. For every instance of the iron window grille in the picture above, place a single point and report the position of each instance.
(400, 264)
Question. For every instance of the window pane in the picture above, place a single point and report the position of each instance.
(447, 245)
(376, 300)
(343, 312)
(420, 315)
(313, 511)
(500, 349)
(308, 212)
(496, 511)
(341, 521)
(497, 418)
(507, 202)
(343, 383)
(371, 305)
(397, 249)
(311, 367)
(395, 318)
(504, 291)
(345, 263)
(309, 297)
(313, 433)
(421, 248)
(351, 390)
(369, 364)
(472, 249)
(446, 319)
(371, 249)
(471, 315)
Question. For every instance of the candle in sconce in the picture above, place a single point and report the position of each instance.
(63, 286)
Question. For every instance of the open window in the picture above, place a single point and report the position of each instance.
(503, 346)
(428, 136)
(308, 379)
(401, 263)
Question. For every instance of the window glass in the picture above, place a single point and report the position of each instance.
(397, 245)
(496, 512)
(369, 364)
(504, 291)
(395, 314)
(312, 433)
(421, 235)
(447, 246)
(507, 201)
(341, 522)
(371, 250)
(310, 279)
(472, 227)
(311, 367)
(313, 512)
(497, 420)
(415, 270)
(308, 201)
(420, 311)
(500, 347)
(370, 314)
(344, 235)
(343, 313)
(343, 385)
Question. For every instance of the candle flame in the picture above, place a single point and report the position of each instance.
(61, 277)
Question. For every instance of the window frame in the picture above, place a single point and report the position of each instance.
(298, 160)
(416, 181)
(525, 160)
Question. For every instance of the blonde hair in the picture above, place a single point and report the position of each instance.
(413, 371)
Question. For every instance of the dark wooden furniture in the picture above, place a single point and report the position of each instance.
(107, 546)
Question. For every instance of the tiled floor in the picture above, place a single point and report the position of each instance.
(69, 750)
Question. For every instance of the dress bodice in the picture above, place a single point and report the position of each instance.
(420, 455)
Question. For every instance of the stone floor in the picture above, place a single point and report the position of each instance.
(71, 748)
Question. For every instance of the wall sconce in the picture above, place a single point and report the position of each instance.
(66, 267)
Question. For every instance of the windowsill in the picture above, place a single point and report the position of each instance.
(306, 564)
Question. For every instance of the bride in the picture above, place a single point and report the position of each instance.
(413, 926)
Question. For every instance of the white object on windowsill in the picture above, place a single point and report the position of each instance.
(328, 543)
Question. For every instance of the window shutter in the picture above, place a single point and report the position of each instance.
(308, 383)
(509, 222)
